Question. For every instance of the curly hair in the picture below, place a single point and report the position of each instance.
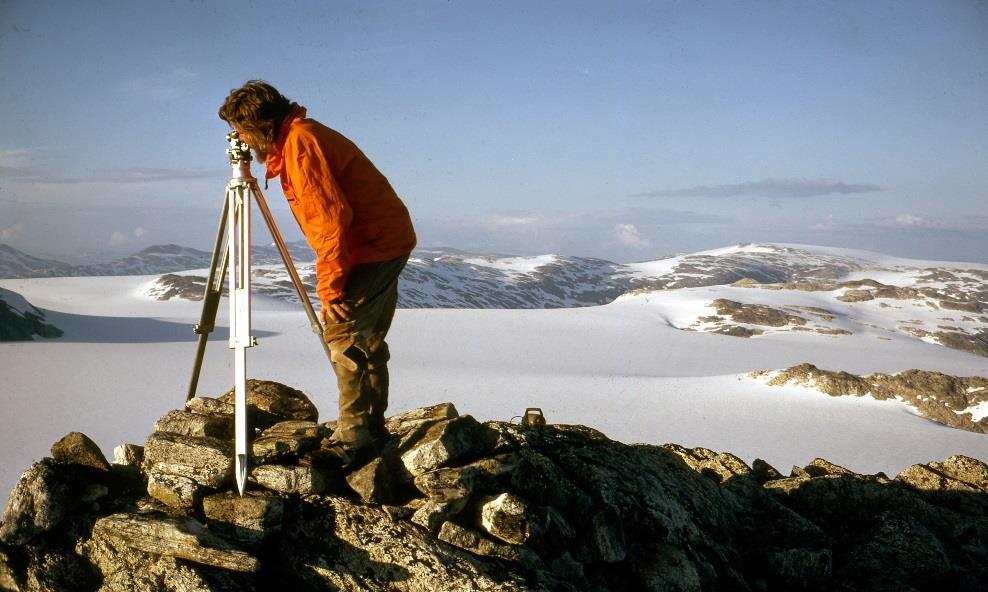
(258, 109)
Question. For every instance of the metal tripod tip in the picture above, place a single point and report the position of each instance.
(241, 470)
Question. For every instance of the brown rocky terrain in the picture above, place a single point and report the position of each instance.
(730, 312)
(939, 397)
(454, 504)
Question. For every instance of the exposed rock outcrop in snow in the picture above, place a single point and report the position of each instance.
(453, 504)
(19, 321)
(955, 401)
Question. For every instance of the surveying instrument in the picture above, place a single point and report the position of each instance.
(232, 253)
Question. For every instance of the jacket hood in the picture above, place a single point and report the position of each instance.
(275, 162)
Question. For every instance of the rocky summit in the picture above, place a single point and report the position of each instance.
(451, 503)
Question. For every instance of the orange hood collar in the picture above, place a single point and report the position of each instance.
(274, 163)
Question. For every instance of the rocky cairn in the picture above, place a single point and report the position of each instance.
(454, 504)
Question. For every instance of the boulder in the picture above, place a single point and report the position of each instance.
(506, 517)
(196, 424)
(298, 480)
(76, 448)
(271, 402)
(209, 406)
(180, 537)
(245, 520)
(38, 503)
(174, 491)
(287, 440)
(446, 442)
(128, 455)
(381, 481)
(207, 461)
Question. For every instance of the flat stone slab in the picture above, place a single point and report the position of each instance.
(196, 424)
(247, 519)
(207, 461)
(181, 537)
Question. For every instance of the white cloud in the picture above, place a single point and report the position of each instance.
(11, 232)
(773, 188)
(910, 221)
(139, 231)
(504, 220)
(117, 238)
(628, 235)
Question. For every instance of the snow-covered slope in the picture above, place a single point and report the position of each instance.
(20, 321)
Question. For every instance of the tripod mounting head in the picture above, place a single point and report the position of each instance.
(239, 153)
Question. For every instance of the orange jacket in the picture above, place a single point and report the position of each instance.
(346, 208)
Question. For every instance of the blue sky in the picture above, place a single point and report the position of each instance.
(623, 130)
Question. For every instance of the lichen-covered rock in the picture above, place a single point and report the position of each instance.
(380, 481)
(128, 455)
(506, 517)
(76, 448)
(446, 442)
(209, 406)
(287, 440)
(247, 519)
(38, 502)
(196, 424)
(298, 480)
(174, 491)
(207, 461)
(270, 402)
(181, 537)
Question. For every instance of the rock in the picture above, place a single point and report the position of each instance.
(965, 469)
(174, 491)
(476, 543)
(755, 314)
(857, 296)
(38, 503)
(297, 480)
(432, 514)
(506, 517)
(196, 424)
(819, 467)
(76, 448)
(361, 548)
(719, 466)
(937, 396)
(209, 406)
(762, 472)
(501, 507)
(379, 481)
(796, 568)
(446, 442)
(287, 440)
(271, 402)
(207, 461)
(399, 424)
(927, 478)
(246, 520)
(128, 455)
(181, 537)
(607, 538)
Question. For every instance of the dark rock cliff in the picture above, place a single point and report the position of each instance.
(450, 503)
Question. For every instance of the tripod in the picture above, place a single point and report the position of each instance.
(232, 251)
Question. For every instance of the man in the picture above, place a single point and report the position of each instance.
(362, 235)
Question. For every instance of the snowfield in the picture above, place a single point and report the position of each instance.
(629, 368)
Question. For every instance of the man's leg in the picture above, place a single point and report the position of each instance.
(360, 353)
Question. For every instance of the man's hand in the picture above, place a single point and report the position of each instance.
(338, 311)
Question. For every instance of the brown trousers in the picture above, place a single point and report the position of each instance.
(358, 351)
